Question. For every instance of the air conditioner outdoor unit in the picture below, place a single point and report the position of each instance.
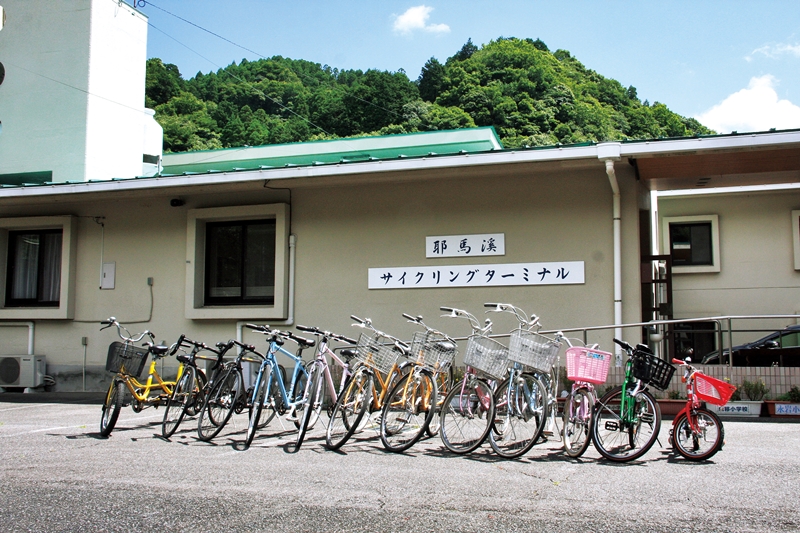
(22, 370)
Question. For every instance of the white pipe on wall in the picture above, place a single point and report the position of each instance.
(617, 217)
(29, 325)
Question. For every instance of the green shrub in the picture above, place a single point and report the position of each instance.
(792, 396)
(755, 390)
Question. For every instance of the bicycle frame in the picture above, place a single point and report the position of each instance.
(271, 362)
(134, 385)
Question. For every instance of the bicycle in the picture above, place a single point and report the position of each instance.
(265, 398)
(627, 418)
(527, 397)
(375, 373)
(127, 361)
(697, 433)
(468, 409)
(586, 367)
(414, 404)
(189, 393)
(226, 395)
(319, 373)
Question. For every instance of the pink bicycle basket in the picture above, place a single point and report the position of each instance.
(585, 364)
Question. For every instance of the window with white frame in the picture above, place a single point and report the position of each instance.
(37, 267)
(237, 262)
(693, 243)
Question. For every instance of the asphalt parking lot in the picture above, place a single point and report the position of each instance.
(59, 475)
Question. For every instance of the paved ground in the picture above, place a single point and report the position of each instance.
(56, 474)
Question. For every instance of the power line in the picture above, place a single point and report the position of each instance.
(142, 3)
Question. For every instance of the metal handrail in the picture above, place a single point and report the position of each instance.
(716, 319)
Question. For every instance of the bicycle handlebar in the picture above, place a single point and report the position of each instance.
(112, 321)
(316, 331)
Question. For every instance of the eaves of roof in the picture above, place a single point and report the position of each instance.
(429, 160)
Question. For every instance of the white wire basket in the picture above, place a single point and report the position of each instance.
(533, 350)
(487, 356)
(432, 351)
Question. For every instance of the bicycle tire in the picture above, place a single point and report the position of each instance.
(298, 393)
(444, 382)
(111, 407)
(349, 409)
(201, 385)
(313, 386)
(408, 410)
(703, 444)
(621, 441)
(466, 417)
(257, 406)
(520, 415)
(576, 431)
(219, 405)
(178, 402)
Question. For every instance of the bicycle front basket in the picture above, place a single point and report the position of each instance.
(533, 350)
(126, 358)
(433, 351)
(584, 364)
(373, 353)
(652, 370)
(712, 390)
(487, 356)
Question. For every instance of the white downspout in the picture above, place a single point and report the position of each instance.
(290, 318)
(29, 325)
(617, 217)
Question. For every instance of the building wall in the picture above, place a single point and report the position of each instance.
(757, 274)
(342, 230)
(72, 100)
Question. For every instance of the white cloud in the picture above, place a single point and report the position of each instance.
(756, 108)
(416, 18)
(775, 50)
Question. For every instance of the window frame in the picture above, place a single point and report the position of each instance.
(715, 246)
(210, 300)
(40, 267)
(66, 304)
(197, 220)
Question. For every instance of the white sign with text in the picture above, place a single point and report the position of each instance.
(465, 245)
(497, 275)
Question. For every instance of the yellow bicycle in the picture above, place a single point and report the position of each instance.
(126, 360)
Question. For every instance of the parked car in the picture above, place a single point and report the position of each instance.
(779, 348)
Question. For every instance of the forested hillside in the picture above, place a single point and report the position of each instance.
(530, 95)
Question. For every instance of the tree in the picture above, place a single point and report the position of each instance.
(430, 80)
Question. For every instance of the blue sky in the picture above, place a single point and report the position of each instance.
(733, 64)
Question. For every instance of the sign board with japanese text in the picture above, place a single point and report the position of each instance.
(465, 245)
(497, 275)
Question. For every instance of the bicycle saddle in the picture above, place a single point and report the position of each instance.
(159, 350)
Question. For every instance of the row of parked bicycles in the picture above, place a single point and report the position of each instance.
(507, 393)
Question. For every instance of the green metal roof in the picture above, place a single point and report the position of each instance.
(338, 151)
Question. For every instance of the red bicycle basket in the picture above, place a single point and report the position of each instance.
(584, 364)
(712, 390)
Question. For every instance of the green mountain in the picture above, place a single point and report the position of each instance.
(530, 95)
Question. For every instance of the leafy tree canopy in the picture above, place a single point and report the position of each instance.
(530, 95)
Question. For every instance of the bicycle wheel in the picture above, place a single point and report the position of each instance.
(257, 406)
(467, 416)
(704, 441)
(177, 403)
(625, 438)
(298, 393)
(349, 409)
(444, 382)
(219, 405)
(201, 385)
(520, 415)
(408, 410)
(576, 432)
(306, 409)
(111, 407)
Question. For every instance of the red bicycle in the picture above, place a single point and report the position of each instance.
(697, 433)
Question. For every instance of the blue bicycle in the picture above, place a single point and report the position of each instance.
(270, 394)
